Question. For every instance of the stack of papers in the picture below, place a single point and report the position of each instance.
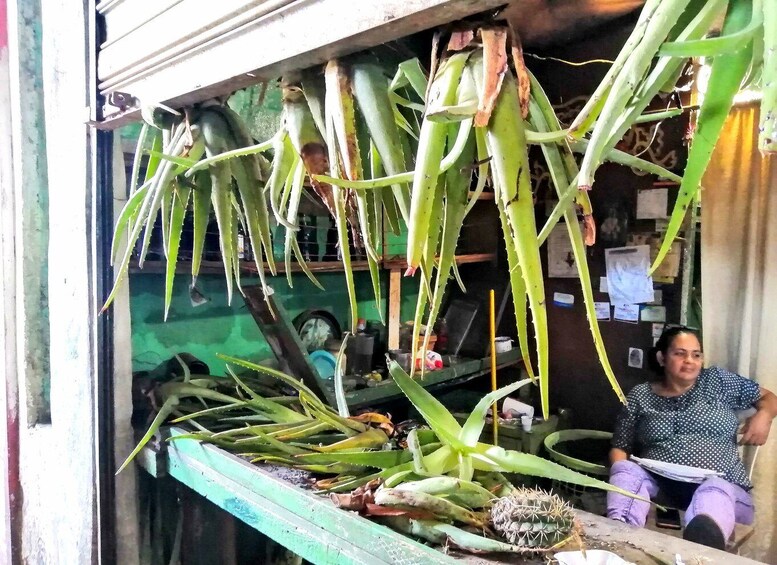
(676, 472)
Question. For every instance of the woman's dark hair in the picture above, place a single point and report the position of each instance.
(663, 344)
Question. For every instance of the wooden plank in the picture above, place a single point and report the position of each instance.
(394, 305)
(401, 262)
(284, 341)
(269, 46)
(308, 524)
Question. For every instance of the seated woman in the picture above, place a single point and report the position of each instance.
(687, 415)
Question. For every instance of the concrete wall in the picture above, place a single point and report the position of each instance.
(217, 327)
(48, 282)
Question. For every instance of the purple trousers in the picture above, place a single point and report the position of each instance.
(724, 502)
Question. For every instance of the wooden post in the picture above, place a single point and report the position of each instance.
(395, 301)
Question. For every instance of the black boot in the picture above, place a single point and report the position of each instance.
(703, 529)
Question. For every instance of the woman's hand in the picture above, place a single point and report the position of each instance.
(756, 429)
(617, 455)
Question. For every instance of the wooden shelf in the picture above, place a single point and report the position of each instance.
(247, 267)
(401, 263)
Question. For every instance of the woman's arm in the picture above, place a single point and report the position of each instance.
(617, 455)
(756, 429)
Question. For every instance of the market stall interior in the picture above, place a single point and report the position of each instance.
(386, 203)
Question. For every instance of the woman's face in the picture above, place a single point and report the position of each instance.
(683, 360)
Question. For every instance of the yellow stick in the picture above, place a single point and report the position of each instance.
(492, 324)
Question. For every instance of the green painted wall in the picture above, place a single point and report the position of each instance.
(217, 327)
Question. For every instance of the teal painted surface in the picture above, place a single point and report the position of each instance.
(217, 327)
(308, 524)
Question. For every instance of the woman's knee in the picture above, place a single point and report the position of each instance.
(633, 478)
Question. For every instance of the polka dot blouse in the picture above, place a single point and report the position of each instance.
(697, 428)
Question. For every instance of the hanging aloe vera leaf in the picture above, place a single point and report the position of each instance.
(214, 132)
(494, 61)
(427, 265)
(343, 118)
(626, 84)
(410, 73)
(339, 206)
(543, 118)
(138, 157)
(236, 222)
(693, 23)
(593, 106)
(131, 219)
(723, 44)
(240, 151)
(371, 92)
(314, 90)
(457, 181)
(178, 210)
(295, 195)
(201, 198)
(249, 172)
(164, 175)
(430, 152)
(629, 160)
(767, 128)
(457, 277)
(384, 206)
(303, 265)
(307, 139)
(127, 213)
(725, 77)
(284, 161)
(507, 147)
(137, 220)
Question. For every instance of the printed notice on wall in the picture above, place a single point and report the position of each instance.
(628, 281)
(602, 310)
(561, 258)
(627, 312)
(651, 204)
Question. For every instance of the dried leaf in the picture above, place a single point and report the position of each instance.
(494, 68)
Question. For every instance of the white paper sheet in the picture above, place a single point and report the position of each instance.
(561, 258)
(651, 203)
(675, 471)
(627, 312)
(628, 281)
(603, 285)
(602, 310)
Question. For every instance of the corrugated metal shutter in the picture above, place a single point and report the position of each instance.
(183, 51)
